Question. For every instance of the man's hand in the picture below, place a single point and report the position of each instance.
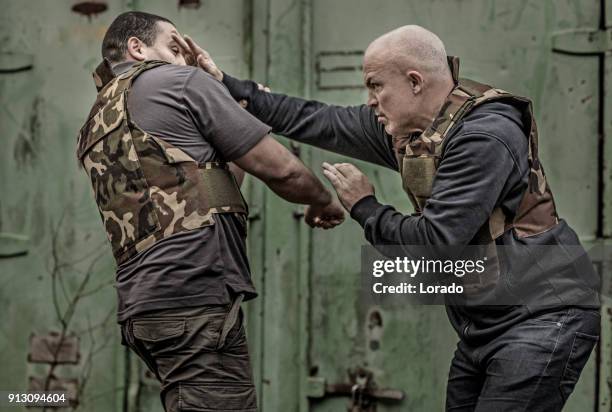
(350, 184)
(198, 56)
(325, 217)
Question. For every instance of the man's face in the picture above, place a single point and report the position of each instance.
(390, 95)
(164, 47)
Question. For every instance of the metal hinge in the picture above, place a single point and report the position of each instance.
(582, 42)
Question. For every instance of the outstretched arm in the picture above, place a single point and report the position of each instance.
(351, 131)
(236, 136)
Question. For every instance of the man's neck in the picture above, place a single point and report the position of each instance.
(441, 95)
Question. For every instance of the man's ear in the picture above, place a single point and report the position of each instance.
(135, 49)
(416, 81)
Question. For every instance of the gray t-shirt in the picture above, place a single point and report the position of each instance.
(191, 110)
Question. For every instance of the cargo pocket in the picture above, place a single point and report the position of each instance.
(156, 342)
(581, 349)
(158, 335)
(217, 397)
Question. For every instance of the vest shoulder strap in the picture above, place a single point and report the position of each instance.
(467, 95)
(124, 81)
(108, 111)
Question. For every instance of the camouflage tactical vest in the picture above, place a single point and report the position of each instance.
(418, 160)
(146, 189)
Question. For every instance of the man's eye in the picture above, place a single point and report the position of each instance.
(175, 50)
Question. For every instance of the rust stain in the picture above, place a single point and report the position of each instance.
(89, 8)
(189, 4)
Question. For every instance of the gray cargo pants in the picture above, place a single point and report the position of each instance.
(199, 355)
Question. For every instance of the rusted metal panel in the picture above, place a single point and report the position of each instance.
(54, 347)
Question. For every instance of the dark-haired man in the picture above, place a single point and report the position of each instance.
(467, 153)
(156, 146)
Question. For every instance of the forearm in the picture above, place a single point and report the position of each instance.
(300, 185)
(238, 173)
(472, 176)
(350, 131)
(383, 225)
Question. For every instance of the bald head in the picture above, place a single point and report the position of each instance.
(410, 48)
(408, 79)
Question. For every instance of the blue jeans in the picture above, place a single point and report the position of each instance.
(533, 366)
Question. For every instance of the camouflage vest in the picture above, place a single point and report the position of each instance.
(418, 160)
(419, 157)
(146, 189)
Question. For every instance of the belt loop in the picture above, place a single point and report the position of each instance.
(230, 320)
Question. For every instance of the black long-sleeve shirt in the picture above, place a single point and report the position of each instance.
(483, 166)
(484, 163)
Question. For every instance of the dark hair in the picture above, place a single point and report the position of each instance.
(130, 24)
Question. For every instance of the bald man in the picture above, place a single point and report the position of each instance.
(468, 157)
